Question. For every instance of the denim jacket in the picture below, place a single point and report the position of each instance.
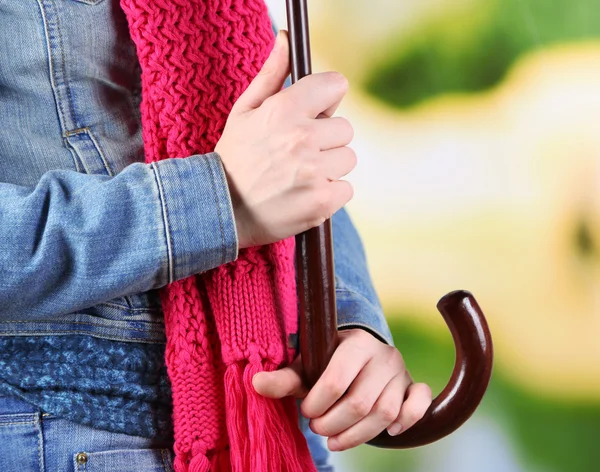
(88, 231)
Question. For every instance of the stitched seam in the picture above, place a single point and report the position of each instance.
(98, 147)
(17, 422)
(165, 221)
(166, 466)
(89, 2)
(230, 202)
(362, 325)
(25, 416)
(40, 444)
(214, 186)
(143, 309)
(74, 156)
(51, 68)
(64, 70)
(77, 131)
(105, 408)
(87, 131)
(79, 158)
(101, 336)
(83, 323)
(149, 372)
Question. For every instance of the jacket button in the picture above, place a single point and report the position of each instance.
(81, 458)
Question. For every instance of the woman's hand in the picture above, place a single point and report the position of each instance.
(364, 390)
(284, 154)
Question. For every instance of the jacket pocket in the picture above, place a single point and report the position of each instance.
(87, 153)
(20, 441)
(130, 460)
(90, 159)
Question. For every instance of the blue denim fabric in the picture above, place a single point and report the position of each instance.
(34, 441)
(89, 231)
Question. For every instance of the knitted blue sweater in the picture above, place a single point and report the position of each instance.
(116, 386)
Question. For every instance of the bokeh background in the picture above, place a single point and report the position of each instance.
(478, 135)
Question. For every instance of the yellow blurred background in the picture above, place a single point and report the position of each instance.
(478, 134)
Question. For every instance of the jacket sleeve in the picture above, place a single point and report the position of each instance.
(75, 240)
(358, 305)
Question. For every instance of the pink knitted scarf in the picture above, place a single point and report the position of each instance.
(197, 57)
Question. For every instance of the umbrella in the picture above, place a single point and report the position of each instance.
(318, 319)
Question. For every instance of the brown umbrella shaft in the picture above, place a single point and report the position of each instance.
(318, 318)
(314, 250)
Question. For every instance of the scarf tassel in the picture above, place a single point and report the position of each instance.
(264, 434)
(219, 462)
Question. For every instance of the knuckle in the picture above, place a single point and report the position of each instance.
(270, 109)
(348, 194)
(350, 441)
(266, 69)
(320, 427)
(413, 415)
(322, 204)
(424, 390)
(270, 103)
(315, 427)
(307, 172)
(302, 137)
(387, 412)
(394, 358)
(334, 387)
(360, 336)
(359, 406)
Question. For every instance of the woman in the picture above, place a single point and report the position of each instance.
(83, 246)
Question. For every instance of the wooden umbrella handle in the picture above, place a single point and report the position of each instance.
(318, 319)
(469, 380)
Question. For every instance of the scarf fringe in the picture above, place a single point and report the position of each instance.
(264, 434)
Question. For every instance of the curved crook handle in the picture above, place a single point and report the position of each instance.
(461, 397)
(469, 381)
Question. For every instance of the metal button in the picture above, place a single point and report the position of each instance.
(81, 458)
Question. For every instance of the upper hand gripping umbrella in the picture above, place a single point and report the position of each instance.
(318, 319)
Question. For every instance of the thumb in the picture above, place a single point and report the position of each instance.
(271, 77)
(281, 383)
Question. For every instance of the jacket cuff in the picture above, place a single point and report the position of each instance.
(356, 311)
(200, 230)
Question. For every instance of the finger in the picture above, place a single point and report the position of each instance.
(331, 133)
(281, 383)
(270, 79)
(340, 193)
(418, 400)
(346, 363)
(316, 94)
(383, 413)
(336, 163)
(358, 402)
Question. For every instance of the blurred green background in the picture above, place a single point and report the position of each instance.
(478, 134)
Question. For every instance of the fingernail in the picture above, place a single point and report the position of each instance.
(333, 444)
(394, 429)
